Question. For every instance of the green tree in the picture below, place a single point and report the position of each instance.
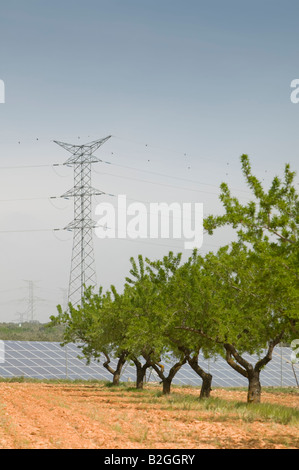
(273, 213)
(146, 333)
(228, 306)
(97, 329)
(177, 295)
(270, 226)
(263, 276)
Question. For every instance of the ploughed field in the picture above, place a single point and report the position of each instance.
(38, 415)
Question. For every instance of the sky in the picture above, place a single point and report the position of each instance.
(184, 88)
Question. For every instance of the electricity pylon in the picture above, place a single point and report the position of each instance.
(83, 271)
(32, 299)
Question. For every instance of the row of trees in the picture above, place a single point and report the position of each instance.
(30, 331)
(241, 299)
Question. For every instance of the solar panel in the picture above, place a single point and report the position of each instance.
(49, 360)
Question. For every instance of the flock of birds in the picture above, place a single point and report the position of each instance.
(146, 145)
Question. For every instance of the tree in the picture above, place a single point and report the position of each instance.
(146, 333)
(267, 230)
(270, 226)
(176, 283)
(126, 308)
(242, 299)
(229, 307)
(97, 329)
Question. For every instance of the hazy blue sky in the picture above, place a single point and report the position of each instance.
(184, 88)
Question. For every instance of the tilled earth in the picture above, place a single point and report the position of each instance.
(76, 416)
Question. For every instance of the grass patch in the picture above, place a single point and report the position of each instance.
(269, 412)
(23, 379)
(115, 388)
(278, 390)
(221, 409)
(248, 412)
(274, 390)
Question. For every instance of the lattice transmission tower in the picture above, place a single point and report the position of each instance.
(83, 270)
(32, 300)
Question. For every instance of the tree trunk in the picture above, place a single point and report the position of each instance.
(166, 381)
(252, 373)
(166, 386)
(206, 386)
(140, 378)
(120, 363)
(140, 372)
(254, 387)
(193, 363)
(116, 377)
(205, 376)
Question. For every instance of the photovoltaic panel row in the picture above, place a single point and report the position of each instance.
(46, 360)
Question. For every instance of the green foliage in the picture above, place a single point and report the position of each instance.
(269, 227)
(241, 299)
(94, 325)
(272, 216)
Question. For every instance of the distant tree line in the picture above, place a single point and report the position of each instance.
(31, 331)
(241, 300)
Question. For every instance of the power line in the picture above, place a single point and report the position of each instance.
(16, 167)
(172, 177)
(29, 230)
(135, 169)
(25, 199)
(136, 240)
(159, 184)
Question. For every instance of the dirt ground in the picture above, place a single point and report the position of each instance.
(76, 416)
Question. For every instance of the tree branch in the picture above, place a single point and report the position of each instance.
(267, 358)
(199, 332)
(278, 234)
(246, 366)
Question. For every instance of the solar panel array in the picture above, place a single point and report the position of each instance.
(49, 360)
